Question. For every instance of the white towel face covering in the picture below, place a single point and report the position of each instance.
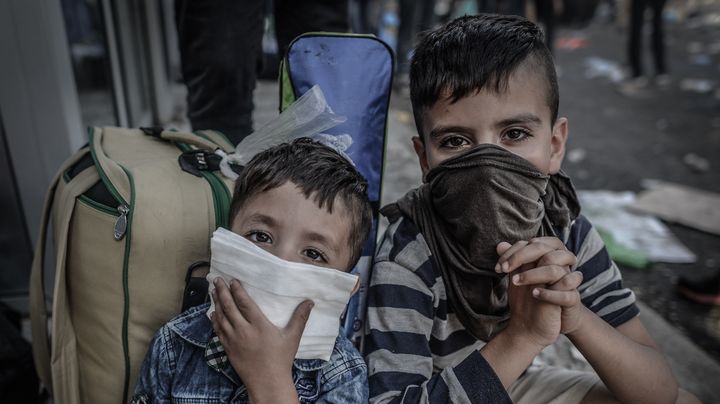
(278, 286)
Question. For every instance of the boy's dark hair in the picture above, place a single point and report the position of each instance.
(473, 53)
(320, 172)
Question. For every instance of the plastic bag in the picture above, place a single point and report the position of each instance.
(306, 117)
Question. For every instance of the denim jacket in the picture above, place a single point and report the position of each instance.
(183, 366)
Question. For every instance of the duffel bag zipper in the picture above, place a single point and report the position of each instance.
(220, 193)
(120, 227)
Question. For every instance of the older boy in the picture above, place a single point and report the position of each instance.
(302, 202)
(444, 322)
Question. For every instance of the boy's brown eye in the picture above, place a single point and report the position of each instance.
(516, 135)
(314, 255)
(454, 142)
(258, 237)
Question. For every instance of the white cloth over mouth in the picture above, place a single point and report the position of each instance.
(278, 286)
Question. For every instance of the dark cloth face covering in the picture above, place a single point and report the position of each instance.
(468, 205)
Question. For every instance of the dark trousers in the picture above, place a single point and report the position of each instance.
(220, 48)
(637, 19)
(415, 17)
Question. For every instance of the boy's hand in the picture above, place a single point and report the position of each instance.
(534, 321)
(553, 280)
(261, 354)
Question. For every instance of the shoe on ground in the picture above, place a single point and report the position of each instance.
(703, 291)
(634, 86)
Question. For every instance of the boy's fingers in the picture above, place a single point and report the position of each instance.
(297, 322)
(529, 253)
(220, 322)
(558, 257)
(545, 275)
(502, 265)
(245, 304)
(502, 247)
(570, 281)
(557, 297)
(224, 299)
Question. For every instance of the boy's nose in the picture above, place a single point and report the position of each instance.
(487, 137)
(286, 252)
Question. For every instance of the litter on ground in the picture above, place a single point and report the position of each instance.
(681, 204)
(633, 239)
(697, 85)
(599, 67)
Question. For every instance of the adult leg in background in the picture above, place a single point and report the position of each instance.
(219, 48)
(294, 17)
(658, 36)
(637, 14)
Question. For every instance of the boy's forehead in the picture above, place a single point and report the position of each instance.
(526, 85)
(289, 201)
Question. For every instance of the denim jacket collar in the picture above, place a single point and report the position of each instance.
(200, 333)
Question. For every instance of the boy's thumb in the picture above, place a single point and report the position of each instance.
(297, 322)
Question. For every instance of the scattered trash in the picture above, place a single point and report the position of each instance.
(701, 60)
(576, 155)
(621, 253)
(697, 85)
(661, 124)
(571, 43)
(631, 238)
(696, 163)
(599, 67)
(681, 204)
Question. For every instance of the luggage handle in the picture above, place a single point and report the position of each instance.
(183, 137)
(38, 307)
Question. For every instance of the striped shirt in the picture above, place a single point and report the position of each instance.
(416, 348)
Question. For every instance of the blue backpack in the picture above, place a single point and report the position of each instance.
(355, 73)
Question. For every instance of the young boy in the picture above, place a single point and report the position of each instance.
(488, 261)
(302, 202)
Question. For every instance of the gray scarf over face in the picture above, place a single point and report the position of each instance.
(468, 205)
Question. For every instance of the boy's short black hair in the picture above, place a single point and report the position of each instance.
(320, 172)
(473, 53)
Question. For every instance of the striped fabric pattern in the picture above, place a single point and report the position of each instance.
(416, 348)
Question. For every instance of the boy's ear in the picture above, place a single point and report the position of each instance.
(557, 144)
(419, 147)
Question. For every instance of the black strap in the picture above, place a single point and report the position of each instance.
(154, 131)
(196, 287)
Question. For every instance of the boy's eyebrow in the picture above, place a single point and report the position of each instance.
(440, 130)
(263, 219)
(526, 118)
(322, 239)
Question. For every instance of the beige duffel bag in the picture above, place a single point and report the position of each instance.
(127, 223)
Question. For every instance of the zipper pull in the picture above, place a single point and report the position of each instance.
(121, 223)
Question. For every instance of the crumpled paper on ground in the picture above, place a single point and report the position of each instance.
(644, 234)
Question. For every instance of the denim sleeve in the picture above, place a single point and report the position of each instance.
(345, 383)
(155, 378)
